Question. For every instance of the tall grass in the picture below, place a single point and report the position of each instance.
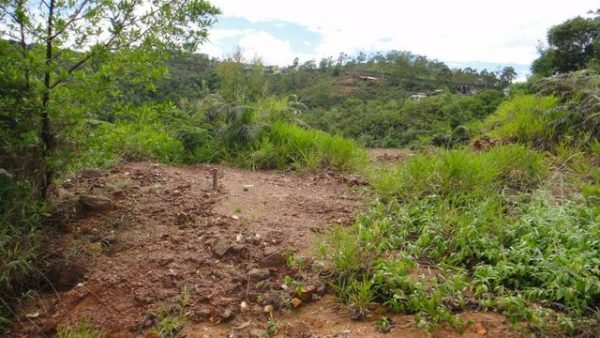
(458, 229)
(20, 217)
(452, 173)
(523, 119)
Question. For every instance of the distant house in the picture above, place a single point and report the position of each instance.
(272, 70)
(418, 96)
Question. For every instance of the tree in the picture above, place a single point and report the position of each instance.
(572, 45)
(507, 76)
(60, 41)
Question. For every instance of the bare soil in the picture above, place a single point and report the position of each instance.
(145, 239)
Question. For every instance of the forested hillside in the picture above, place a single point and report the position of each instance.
(149, 190)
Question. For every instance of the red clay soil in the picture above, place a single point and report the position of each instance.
(136, 240)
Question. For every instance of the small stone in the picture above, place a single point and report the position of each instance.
(227, 314)
(236, 217)
(247, 187)
(268, 309)
(306, 292)
(259, 274)
(239, 238)
(95, 203)
(272, 257)
(244, 307)
(221, 248)
(295, 302)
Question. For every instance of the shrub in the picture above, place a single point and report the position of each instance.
(108, 142)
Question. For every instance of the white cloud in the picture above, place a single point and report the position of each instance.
(460, 30)
(253, 43)
(266, 46)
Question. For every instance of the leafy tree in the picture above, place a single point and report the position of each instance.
(572, 45)
(62, 43)
(507, 75)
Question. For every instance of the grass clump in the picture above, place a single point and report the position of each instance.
(522, 119)
(20, 240)
(458, 173)
(80, 330)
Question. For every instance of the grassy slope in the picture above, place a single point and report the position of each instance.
(514, 228)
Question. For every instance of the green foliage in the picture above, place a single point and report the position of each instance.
(170, 322)
(568, 113)
(573, 45)
(438, 119)
(20, 240)
(485, 224)
(80, 330)
(523, 119)
(131, 141)
(456, 173)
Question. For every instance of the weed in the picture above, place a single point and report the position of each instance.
(81, 330)
(384, 324)
(272, 328)
(170, 322)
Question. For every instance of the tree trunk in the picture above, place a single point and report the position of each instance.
(45, 132)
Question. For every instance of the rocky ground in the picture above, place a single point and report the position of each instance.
(147, 247)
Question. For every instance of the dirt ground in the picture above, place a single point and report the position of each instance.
(147, 241)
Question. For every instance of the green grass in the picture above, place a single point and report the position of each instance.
(522, 119)
(132, 141)
(20, 241)
(79, 330)
(285, 146)
(457, 173)
(457, 230)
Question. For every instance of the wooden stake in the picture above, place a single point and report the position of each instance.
(215, 177)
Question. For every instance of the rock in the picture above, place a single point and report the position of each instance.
(221, 248)
(268, 309)
(321, 288)
(259, 274)
(296, 302)
(273, 258)
(244, 307)
(227, 314)
(95, 203)
(235, 217)
(239, 238)
(306, 292)
(91, 173)
(204, 313)
(247, 187)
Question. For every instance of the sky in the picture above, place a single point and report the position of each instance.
(462, 33)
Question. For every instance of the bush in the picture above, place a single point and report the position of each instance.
(109, 142)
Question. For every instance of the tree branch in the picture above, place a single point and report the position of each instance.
(73, 18)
